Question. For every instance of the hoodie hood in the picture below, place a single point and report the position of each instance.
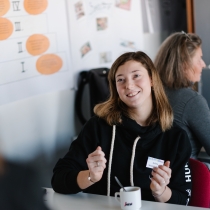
(147, 133)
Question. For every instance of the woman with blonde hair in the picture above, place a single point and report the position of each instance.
(132, 137)
(179, 63)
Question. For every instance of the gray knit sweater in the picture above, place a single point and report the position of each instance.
(191, 112)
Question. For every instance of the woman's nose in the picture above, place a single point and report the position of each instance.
(129, 84)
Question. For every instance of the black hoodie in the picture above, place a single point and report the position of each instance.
(172, 145)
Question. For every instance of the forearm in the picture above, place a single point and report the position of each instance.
(65, 181)
(82, 179)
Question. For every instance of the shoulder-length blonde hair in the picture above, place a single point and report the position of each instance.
(112, 109)
(174, 59)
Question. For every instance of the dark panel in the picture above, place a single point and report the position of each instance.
(205, 85)
(202, 25)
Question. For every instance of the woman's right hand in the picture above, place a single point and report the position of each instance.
(96, 162)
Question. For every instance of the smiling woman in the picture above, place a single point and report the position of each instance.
(179, 62)
(133, 127)
(134, 88)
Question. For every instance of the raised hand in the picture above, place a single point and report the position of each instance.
(160, 179)
(96, 162)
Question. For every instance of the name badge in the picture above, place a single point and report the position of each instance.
(154, 162)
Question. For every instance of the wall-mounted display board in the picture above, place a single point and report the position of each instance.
(34, 48)
(101, 30)
(45, 43)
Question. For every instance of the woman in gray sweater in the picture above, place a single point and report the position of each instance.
(179, 62)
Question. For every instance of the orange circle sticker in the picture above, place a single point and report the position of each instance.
(37, 44)
(4, 7)
(49, 64)
(6, 28)
(35, 7)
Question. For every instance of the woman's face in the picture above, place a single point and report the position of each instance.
(134, 85)
(198, 65)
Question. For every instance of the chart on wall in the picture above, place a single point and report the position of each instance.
(34, 48)
(101, 30)
(44, 44)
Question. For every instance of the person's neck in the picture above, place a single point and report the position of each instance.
(140, 116)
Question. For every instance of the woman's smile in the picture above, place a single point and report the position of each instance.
(132, 94)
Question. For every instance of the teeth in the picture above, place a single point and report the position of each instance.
(132, 94)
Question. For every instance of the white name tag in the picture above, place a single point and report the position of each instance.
(154, 162)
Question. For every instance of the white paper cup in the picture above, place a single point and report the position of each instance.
(129, 199)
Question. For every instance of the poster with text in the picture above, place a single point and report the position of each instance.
(34, 48)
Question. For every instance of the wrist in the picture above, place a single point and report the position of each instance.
(89, 178)
(155, 195)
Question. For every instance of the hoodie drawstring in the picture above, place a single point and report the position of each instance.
(132, 160)
(110, 160)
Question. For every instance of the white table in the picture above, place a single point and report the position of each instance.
(84, 201)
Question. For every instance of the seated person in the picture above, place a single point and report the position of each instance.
(19, 187)
(179, 63)
(134, 124)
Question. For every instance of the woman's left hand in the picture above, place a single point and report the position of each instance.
(160, 178)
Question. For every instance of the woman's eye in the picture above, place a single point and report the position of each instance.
(119, 80)
(136, 75)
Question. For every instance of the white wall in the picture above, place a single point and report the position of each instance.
(37, 125)
(153, 41)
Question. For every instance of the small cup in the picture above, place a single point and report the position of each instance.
(129, 199)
